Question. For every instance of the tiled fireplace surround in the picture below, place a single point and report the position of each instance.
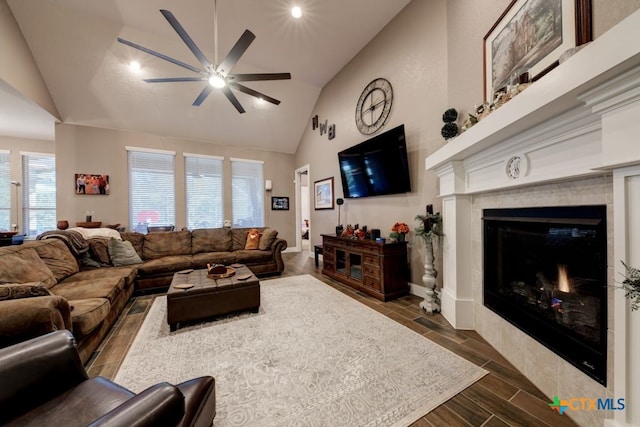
(577, 134)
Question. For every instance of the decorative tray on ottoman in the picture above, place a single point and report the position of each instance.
(230, 271)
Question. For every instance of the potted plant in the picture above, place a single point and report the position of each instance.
(429, 229)
(631, 285)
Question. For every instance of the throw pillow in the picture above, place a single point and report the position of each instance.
(99, 248)
(268, 236)
(253, 239)
(23, 290)
(122, 253)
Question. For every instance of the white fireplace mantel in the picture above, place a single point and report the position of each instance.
(580, 120)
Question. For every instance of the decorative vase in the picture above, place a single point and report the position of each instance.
(429, 279)
(62, 224)
(401, 237)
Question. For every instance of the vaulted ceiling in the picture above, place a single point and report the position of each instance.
(86, 70)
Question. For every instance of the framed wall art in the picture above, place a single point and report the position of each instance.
(280, 203)
(323, 194)
(89, 183)
(529, 37)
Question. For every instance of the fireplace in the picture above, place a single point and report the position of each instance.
(545, 271)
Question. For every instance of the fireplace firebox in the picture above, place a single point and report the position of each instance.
(545, 271)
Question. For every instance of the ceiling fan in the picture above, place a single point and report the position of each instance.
(216, 75)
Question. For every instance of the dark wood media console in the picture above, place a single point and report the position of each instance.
(377, 269)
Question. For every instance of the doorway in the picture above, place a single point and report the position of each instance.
(303, 210)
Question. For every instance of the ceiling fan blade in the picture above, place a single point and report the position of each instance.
(255, 93)
(176, 79)
(161, 56)
(232, 98)
(203, 95)
(235, 53)
(186, 38)
(256, 77)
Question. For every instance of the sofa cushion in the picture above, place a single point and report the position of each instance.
(246, 256)
(21, 264)
(211, 240)
(87, 314)
(122, 253)
(201, 260)
(158, 245)
(56, 254)
(268, 237)
(127, 272)
(168, 264)
(108, 288)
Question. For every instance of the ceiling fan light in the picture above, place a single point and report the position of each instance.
(296, 12)
(134, 66)
(217, 81)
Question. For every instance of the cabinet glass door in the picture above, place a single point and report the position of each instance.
(341, 262)
(355, 266)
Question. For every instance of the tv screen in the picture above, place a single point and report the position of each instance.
(376, 167)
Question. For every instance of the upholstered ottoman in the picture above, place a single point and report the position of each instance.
(203, 297)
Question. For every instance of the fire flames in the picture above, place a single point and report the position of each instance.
(563, 278)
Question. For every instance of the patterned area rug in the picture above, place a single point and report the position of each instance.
(311, 357)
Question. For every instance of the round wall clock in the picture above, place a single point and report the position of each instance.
(374, 106)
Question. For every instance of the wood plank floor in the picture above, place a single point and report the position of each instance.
(502, 398)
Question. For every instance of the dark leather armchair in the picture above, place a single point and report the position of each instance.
(43, 382)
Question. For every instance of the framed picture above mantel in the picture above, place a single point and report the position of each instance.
(529, 37)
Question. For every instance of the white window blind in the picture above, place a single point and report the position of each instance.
(5, 192)
(204, 191)
(38, 193)
(151, 189)
(247, 193)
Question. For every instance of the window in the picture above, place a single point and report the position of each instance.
(247, 193)
(151, 188)
(204, 191)
(38, 193)
(5, 191)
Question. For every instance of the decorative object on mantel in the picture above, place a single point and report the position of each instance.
(430, 228)
(631, 285)
(399, 231)
(450, 128)
(62, 224)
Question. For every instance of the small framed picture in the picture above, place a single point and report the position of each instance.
(280, 203)
(92, 183)
(323, 194)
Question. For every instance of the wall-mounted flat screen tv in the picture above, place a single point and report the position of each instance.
(377, 166)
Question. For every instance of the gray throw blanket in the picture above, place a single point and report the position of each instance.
(76, 243)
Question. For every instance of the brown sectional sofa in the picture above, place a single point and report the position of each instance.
(164, 253)
(43, 288)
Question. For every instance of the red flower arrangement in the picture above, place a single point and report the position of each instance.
(400, 227)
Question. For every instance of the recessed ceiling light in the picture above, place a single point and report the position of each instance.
(134, 66)
(296, 12)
